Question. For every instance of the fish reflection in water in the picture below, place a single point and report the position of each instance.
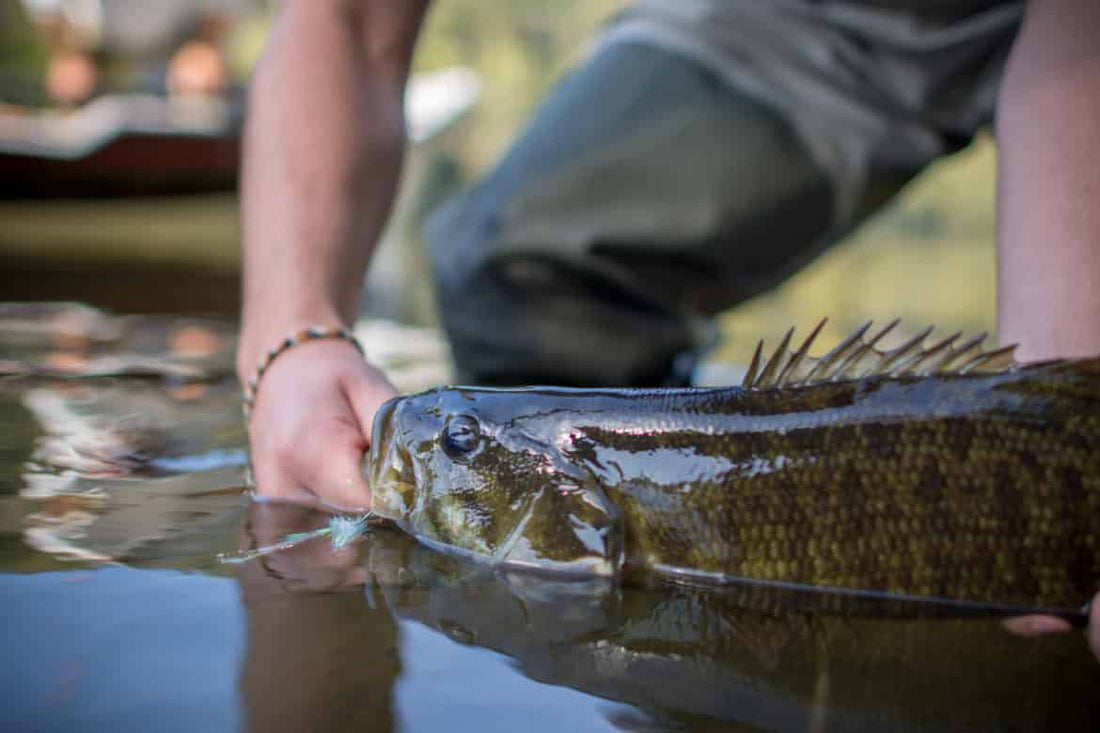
(686, 656)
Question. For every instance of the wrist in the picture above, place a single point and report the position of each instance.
(264, 331)
(250, 381)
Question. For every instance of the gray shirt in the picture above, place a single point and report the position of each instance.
(889, 84)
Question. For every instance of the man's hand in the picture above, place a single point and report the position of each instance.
(311, 425)
(1042, 625)
(1094, 627)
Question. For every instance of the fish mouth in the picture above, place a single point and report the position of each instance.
(389, 469)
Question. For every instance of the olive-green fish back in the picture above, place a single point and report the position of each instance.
(969, 487)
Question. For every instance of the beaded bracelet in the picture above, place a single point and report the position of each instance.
(248, 394)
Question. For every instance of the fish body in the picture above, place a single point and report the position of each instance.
(964, 488)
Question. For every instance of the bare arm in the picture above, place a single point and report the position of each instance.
(323, 147)
(1049, 183)
(1049, 202)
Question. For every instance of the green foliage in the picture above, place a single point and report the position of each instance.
(928, 257)
(22, 53)
(519, 48)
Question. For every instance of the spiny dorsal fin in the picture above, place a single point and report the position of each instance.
(857, 357)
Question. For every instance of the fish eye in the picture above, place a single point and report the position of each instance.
(460, 437)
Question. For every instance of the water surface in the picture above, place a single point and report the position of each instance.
(118, 494)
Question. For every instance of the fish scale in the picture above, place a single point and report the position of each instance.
(975, 481)
(883, 505)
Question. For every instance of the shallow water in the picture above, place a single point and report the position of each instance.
(117, 495)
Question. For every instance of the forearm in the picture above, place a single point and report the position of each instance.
(1049, 183)
(323, 146)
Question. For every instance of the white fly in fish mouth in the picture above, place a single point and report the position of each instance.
(447, 471)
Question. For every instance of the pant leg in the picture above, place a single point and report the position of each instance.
(643, 197)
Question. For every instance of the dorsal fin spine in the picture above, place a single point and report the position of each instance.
(821, 369)
(771, 369)
(850, 358)
(791, 369)
(904, 351)
(910, 365)
(849, 369)
(986, 357)
(754, 367)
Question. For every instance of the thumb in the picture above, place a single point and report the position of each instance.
(366, 393)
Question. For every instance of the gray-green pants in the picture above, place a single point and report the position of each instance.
(649, 193)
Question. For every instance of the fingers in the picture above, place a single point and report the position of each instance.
(331, 465)
(340, 479)
(320, 464)
(1036, 625)
(322, 467)
(1094, 627)
(273, 481)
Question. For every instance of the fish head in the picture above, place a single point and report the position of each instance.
(489, 473)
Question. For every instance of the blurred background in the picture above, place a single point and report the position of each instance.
(119, 137)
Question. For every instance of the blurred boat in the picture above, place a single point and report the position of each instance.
(146, 144)
(117, 145)
(180, 253)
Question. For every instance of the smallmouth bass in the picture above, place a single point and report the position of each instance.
(943, 473)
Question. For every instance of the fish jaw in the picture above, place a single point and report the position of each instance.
(389, 470)
(579, 518)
